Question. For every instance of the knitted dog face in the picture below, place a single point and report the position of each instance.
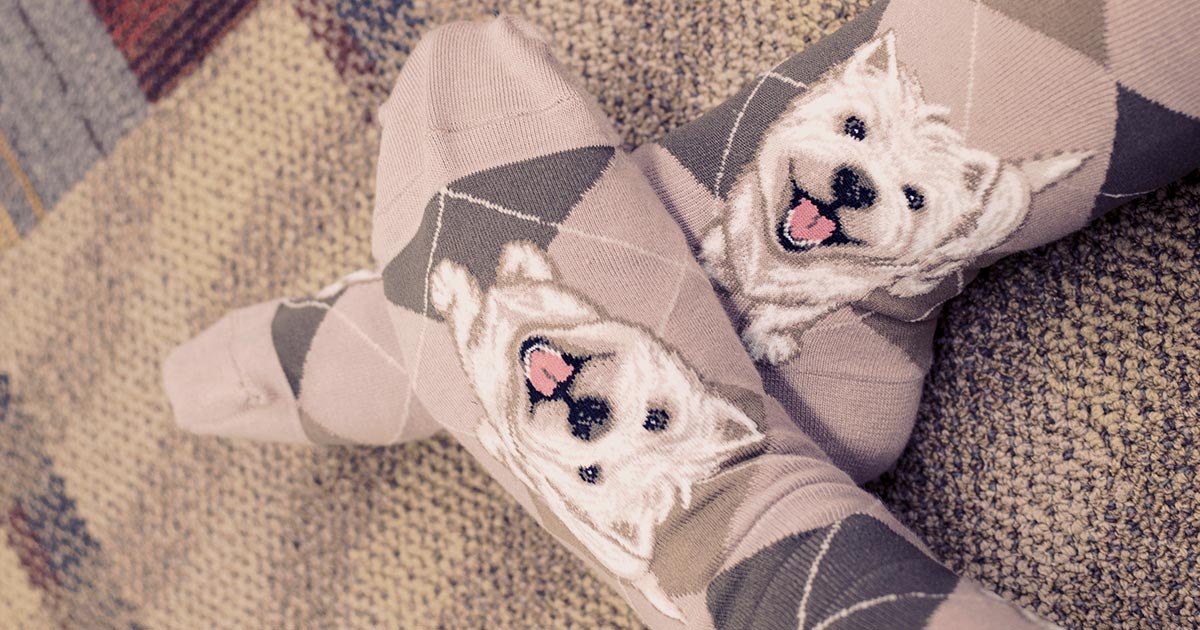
(862, 185)
(610, 427)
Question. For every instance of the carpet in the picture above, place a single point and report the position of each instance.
(165, 161)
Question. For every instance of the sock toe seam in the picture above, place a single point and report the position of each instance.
(487, 122)
(430, 133)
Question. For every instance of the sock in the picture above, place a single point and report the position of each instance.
(321, 369)
(551, 317)
(861, 341)
(841, 197)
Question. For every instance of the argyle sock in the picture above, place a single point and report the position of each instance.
(551, 316)
(319, 369)
(841, 197)
(854, 380)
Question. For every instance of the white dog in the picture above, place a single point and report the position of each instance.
(610, 428)
(860, 185)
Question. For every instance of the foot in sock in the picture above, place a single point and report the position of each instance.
(322, 369)
(839, 297)
(840, 198)
(551, 316)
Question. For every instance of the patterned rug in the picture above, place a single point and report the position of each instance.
(163, 161)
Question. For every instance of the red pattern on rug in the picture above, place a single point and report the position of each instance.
(164, 40)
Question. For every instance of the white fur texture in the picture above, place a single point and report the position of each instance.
(973, 201)
(645, 474)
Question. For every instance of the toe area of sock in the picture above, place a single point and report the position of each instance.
(227, 382)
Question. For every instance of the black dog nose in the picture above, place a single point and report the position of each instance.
(587, 417)
(853, 188)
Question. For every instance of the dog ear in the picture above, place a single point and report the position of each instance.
(1041, 173)
(910, 286)
(524, 261)
(638, 536)
(879, 54)
(979, 171)
(1002, 201)
(455, 295)
(450, 283)
(732, 429)
(1005, 198)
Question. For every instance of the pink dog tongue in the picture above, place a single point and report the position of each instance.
(546, 370)
(807, 224)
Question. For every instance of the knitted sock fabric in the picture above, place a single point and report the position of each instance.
(298, 370)
(841, 197)
(551, 317)
(1049, 117)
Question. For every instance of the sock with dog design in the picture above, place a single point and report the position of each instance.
(299, 370)
(551, 316)
(840, 198)
(869, 180)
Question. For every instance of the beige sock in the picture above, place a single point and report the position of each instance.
(551, 316)
(321, 369)
(841, 197)
(861, 341)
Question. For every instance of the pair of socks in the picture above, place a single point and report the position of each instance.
(1013, 127)
(530, 274)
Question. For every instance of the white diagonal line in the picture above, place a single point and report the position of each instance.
(437, 230)
(742, 112)
(863, 605)
(812, 573)
(971, 68)
(361, 276)
(351, 325)
(562, 227)
(733, 132)
(787, 80)
(923, 316)
(454, 194)
(1133, 194)
(674, 300)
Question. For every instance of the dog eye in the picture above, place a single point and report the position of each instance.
(916, 200)
(656, 420)
(855, 128)
(590, 474)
